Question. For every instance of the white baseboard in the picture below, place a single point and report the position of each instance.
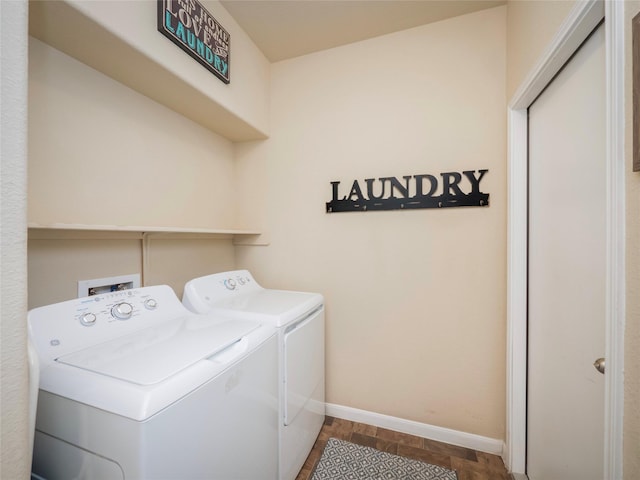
(446, 435)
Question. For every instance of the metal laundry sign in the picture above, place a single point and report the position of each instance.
(190, 26)
(449, 189)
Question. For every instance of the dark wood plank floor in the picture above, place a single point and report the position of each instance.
(468, 464)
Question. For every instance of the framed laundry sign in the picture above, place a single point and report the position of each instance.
(192, 27)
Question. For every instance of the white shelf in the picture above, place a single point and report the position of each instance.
(62, 26)
(68, 230)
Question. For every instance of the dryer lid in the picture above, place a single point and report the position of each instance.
(155, 354)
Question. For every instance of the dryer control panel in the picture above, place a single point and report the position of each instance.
(239, 280)
(83, 322)
(200, 294)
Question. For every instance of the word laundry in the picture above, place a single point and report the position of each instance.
(413, 191)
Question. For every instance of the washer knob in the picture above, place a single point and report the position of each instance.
(230, 283)
(88, 319)
(122, 311)
(150, 303)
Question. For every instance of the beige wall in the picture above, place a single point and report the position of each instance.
(632, 331)
(15, 452)
(531, 26)
(102, 154)
(56, 264)
(415, 299)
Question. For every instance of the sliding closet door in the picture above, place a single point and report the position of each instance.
(566, 322)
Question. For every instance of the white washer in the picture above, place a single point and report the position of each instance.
(299, 318)
(135, 386)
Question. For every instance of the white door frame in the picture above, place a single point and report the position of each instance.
(581, 21)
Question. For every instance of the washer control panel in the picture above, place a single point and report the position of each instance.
(121, 305)
(67, 326)
(122, 310)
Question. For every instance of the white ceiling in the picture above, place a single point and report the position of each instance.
(289, 28)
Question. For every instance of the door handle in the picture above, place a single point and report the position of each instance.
(599, 364)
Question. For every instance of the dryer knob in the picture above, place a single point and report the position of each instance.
(230, 284)
(122, 311)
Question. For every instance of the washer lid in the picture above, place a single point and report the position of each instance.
(154, 354)
(278, 307)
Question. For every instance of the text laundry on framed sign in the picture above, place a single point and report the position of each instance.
(413, 191)
(190, 26)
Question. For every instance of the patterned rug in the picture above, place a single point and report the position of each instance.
(343, 460)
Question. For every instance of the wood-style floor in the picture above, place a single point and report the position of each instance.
(468, 464)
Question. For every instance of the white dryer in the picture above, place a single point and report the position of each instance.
(135, 386)
(299, 318)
